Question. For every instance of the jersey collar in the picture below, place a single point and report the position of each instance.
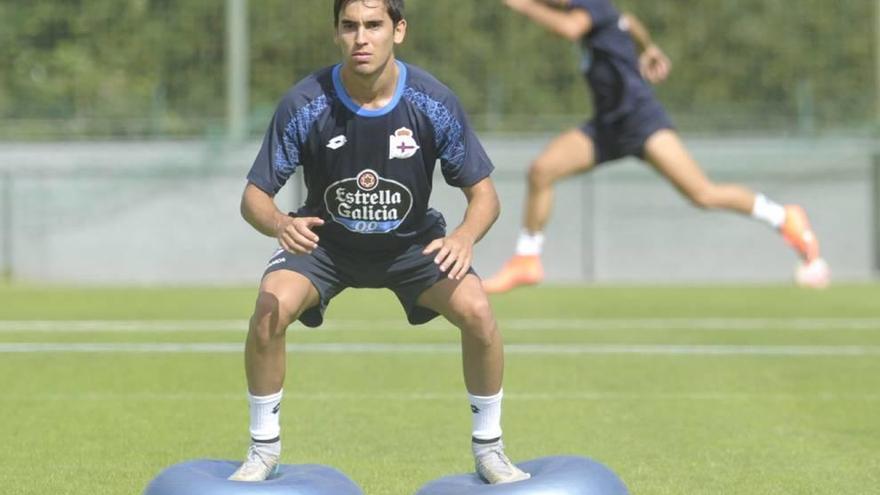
(366, 112)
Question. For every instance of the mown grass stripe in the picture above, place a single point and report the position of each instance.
(444, 396)
(391, 348)
(706, 324)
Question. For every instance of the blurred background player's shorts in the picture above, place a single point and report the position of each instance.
(627, 136)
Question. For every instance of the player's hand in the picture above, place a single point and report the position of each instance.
(654, 64)
(454, 254)
(296, 235)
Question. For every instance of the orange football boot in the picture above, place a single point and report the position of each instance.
(519, 270)
(798, 234)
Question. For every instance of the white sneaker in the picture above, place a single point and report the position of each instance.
(493, 466)
(260, 464)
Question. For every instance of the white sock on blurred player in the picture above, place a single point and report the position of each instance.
(768, 211)
(529, 244)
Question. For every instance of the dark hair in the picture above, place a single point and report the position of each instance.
(395, 9)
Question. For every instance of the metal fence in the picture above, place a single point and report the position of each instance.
(167, 213)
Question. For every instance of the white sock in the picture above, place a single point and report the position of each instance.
(529, 244)
(768, 211)
(486, 416)
(265, 417)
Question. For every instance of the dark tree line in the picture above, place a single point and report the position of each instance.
(156, 67)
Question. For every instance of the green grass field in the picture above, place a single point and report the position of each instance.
(733, 390)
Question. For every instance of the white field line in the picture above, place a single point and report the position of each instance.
(524, 349)
(440, 396)
(399, 324)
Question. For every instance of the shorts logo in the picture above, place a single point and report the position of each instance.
(402, 144)
(368, 204)
(276, 261)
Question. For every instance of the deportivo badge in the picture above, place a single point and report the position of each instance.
(402, 144)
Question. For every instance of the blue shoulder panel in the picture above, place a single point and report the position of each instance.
(295, 133)
(448, 131)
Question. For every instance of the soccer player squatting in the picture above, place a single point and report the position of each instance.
(366, 134)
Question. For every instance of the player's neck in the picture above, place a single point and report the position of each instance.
(374, 90)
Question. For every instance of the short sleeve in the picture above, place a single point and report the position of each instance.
(283, 145)
(602, 12)
(278, 156)
(463, 160)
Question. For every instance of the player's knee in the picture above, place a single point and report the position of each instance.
(540, 174)
(270, 319)
(478, 321)
(703, 198)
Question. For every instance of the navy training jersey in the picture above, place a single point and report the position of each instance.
(369, 171)
(611, 62)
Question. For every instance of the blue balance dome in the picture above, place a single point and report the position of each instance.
(556, 475)
(208, 477)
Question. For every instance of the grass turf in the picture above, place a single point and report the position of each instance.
(731, 423)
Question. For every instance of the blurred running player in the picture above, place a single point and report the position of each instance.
(619, 63)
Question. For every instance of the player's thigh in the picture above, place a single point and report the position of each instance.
(286, 294)
(665, 151)
(459, 301)
(571, 152)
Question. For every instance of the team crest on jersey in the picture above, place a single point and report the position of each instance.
(368, 180)
(402, 144)
(368, 204)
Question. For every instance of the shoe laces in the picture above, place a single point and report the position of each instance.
(495, 458)
(254, 461)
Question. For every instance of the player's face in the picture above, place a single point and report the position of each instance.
(366, 35)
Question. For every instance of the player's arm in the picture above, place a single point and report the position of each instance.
(557, 4)
(482, 210)
(653, 63)
(569, 24)
(293, 234)
(455, 252)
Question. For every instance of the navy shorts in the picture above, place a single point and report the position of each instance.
(408, 273)
(627, 136)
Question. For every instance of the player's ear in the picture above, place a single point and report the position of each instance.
(400, 31)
